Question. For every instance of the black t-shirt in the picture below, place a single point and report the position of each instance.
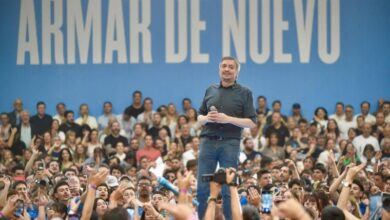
(282, 132)
(252, 155)
(134, 112)
(154, 131)
(110, 139)
(184, 140)
(41, 124)
(235, 101)
(65, 127)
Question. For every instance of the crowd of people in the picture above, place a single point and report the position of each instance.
(142, 164)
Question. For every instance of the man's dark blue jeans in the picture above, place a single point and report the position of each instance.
(212, 151)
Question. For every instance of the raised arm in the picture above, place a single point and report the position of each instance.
(234, 199)
(344, 195)
(94, 180)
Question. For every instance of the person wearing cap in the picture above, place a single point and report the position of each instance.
(226, 109)
(296, 112)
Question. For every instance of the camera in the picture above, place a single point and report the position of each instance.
(41, 166)
(219, 177)
(41, 183)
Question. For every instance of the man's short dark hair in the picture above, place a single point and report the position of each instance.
(107, 102)
(262, 172)
(40, 103)
(320, 167)
(250, 212)
(117, 167)
(59, 184)
(60, 103)
(261, 97)
(69, 170)
(332, 212)
(18, 183)
(67, 112)
(148, 99)
(118, 213)
(161, 107)
(17, 167)
(191, 163)
(340, 103)
(349, 106)
(365, 102)
(276, 102)
(137, 92)
(294, 182)
(144, 178)
(186, 99)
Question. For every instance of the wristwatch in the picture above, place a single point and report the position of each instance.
(346, 184)
(233, 184)
(211, 199)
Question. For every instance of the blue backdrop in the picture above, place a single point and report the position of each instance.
(315, 52)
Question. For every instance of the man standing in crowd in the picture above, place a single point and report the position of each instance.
(60, 116)
(107, 114)
(41, 121)
(69, 124)
(136, 107)
(339, 113)
(347, 123)
(278, 128)
(15, 115)
(227, 107)
(26, 130)
(365, 112)
(85, 118)
(365, 138)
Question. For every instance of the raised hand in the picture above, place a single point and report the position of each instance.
(353, 171)
(184, 182)
(99, 177)
(254, 198)
(230, 173)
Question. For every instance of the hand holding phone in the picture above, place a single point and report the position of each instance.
(266, 202)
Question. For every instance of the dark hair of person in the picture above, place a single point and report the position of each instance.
(276, 102)
(340, 103)
(332, 212)
(118, 213)
(41, 103)
(262, 172)
(117, 167)
(191, 163)
(59, 184)
(137, 92)
(323, 109)
(67, 112)
(365, 102)
(294, 182)
(261, 97)
(250, 212)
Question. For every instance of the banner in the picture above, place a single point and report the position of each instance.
(315, 52)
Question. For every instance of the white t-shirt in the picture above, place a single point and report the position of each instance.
(368, 119)
(91, 122)
(344, 126)
(360, 143)
(337, 118)
(188, 155)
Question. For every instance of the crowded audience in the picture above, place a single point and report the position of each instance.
(142, 163)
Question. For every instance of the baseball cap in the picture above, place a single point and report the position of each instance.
(112, 181)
